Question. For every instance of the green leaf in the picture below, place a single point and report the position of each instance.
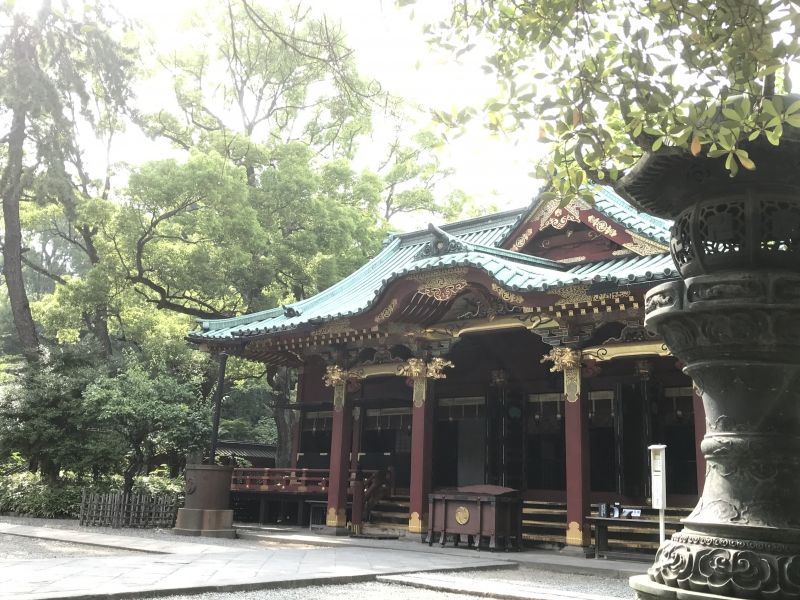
(793, 107)
(731, 114)
(744, 106)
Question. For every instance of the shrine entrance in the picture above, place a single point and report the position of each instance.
(490, 426)
(382, 434)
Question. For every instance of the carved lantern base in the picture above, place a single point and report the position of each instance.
(734, 321)
(739, 335)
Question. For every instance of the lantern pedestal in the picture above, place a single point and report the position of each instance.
(206, 511)
(734, 321)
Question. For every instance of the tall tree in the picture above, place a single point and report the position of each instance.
(266, 78)
(59, 70)
(607, 80)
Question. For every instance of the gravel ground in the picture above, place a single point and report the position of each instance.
(351, 591)
(158, 534)
(13, 547)
(587, 584)
(576, 582)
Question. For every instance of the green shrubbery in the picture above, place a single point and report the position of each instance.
(158, 481)
(26, 493)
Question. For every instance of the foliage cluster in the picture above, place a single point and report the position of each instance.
(29, 494)
(605, 81)
(108, 267)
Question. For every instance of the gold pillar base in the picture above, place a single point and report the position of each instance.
(417, 524)
(336, 517)
(576, 536)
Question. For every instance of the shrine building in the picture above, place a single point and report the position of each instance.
(507, 350)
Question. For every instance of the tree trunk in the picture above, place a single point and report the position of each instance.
(132, 469)
(101, 330)
(284, 421)
(11, 186)
(284, 418)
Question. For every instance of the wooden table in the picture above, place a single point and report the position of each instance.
(600, 526)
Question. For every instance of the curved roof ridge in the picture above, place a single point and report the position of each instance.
(655, 228)
(364, 294)
(370, 265)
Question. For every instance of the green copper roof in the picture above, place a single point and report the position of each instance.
(608, 202)
(471, 243)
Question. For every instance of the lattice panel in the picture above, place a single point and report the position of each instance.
(682, 246)
(780, 226)
(722, 228)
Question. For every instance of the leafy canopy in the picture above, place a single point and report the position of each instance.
(606, 80)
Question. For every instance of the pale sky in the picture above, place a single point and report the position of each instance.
(389, 46)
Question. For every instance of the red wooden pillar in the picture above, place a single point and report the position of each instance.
(357, 481)
(576, 431)
(297, 426)
(341, 433)
(421, 456)
(699, 434)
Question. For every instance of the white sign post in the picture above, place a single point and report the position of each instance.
(658, 471)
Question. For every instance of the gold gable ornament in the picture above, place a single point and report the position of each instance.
(567, 361)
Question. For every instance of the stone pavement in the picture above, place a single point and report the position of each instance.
(198, 567)
(551, 560)
(505, 590)
(106, 540)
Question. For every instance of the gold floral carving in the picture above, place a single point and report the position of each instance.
(602, 226)
(575, 294)
(507, 296)
(421, 372)
(563, 358)
(386, 312)
(414, 367)
(441, 285)
(436, 366)
(337, 378)
(644, 247)
(337, 326)
(572, 259)
(558, 217)
(334, 375)
(523, 239)
(568, 361)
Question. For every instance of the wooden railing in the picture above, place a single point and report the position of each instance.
(377, 483)
(312, 481)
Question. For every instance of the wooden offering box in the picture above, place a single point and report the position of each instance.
(473, 512)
